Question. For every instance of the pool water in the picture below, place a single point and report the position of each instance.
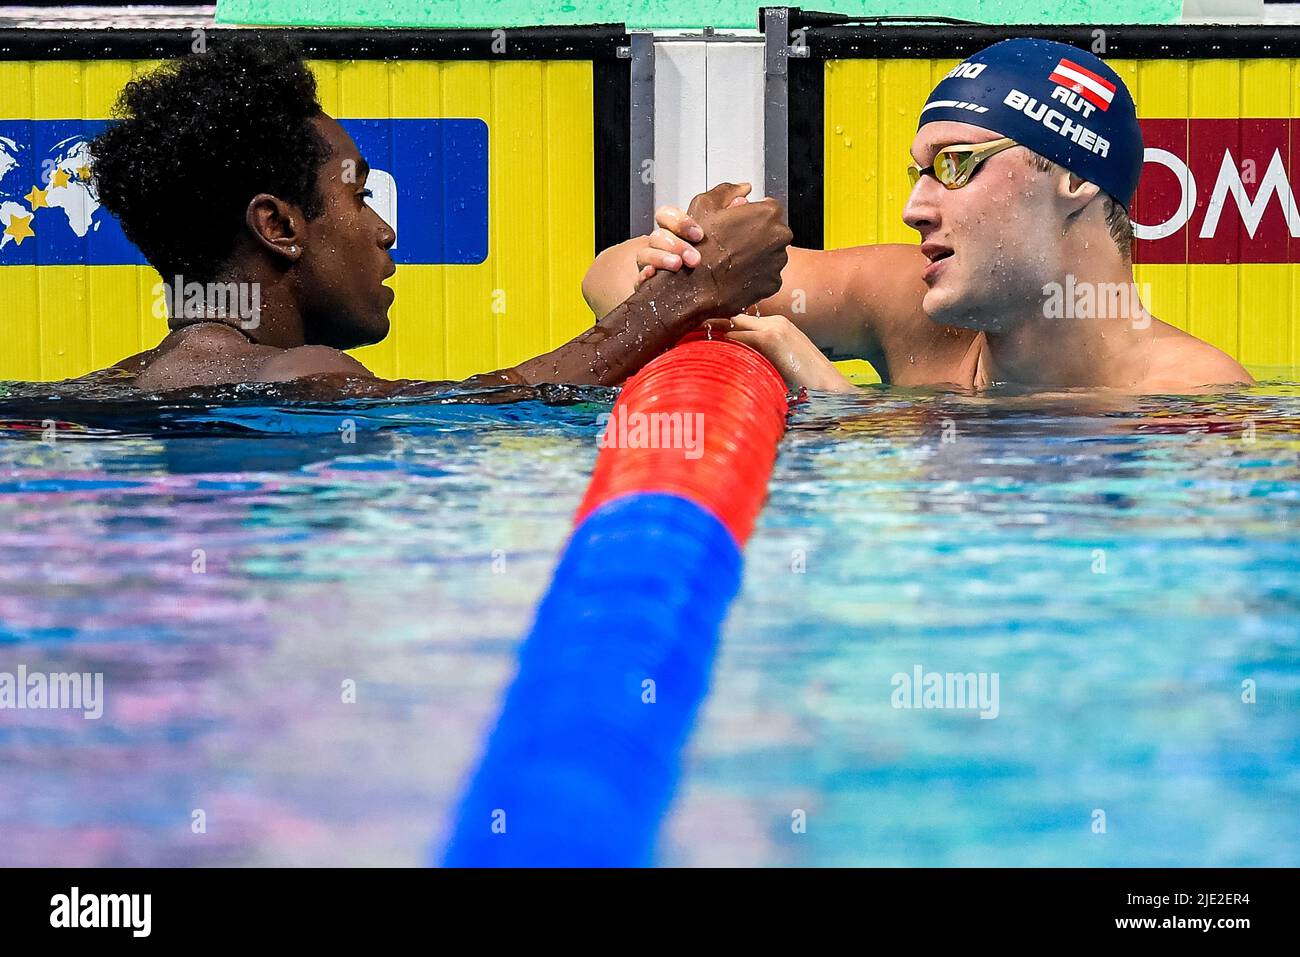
(306, 614)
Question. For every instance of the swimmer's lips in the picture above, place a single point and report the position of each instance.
(937, 254)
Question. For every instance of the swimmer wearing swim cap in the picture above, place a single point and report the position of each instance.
(1025, 160)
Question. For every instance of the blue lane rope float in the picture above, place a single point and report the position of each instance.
(585, 755)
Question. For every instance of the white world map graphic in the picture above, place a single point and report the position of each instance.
(27, 207)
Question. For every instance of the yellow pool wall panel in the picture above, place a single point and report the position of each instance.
(448, 321)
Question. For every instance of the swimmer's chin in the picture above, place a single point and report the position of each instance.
(377, 331)
(360, 335)
(940, 306)
(943, 311)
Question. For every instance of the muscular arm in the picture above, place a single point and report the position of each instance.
(611, 278)
(740, 261)
(635, 331)
(826, 318)
(630, 335)
(850, 302)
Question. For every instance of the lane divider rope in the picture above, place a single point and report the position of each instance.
(584, 758)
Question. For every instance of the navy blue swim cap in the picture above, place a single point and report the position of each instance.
(1061, 102)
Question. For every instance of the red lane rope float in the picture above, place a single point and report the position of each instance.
(740, 402)
(584, 759)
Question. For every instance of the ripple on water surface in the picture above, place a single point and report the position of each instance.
(1127, 568)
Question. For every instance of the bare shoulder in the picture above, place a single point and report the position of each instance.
(886, 281)
(213, 354)
(892, 263)
(915, 349)
(872, 266)
(135, 364)
(303, 361)
(199, 355)
(873, 273)
(853, 299)
(1188, 364)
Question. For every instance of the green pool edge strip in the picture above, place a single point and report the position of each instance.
(725, 14)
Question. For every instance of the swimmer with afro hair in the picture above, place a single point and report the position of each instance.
(224, 170)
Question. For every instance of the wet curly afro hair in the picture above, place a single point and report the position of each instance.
(198, 138)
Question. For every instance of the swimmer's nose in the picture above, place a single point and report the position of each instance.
(386, 236)
(921, 211)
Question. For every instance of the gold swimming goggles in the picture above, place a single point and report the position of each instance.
(955, 165)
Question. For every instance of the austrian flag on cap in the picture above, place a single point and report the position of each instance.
(1081, 80)
(1064, 103)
